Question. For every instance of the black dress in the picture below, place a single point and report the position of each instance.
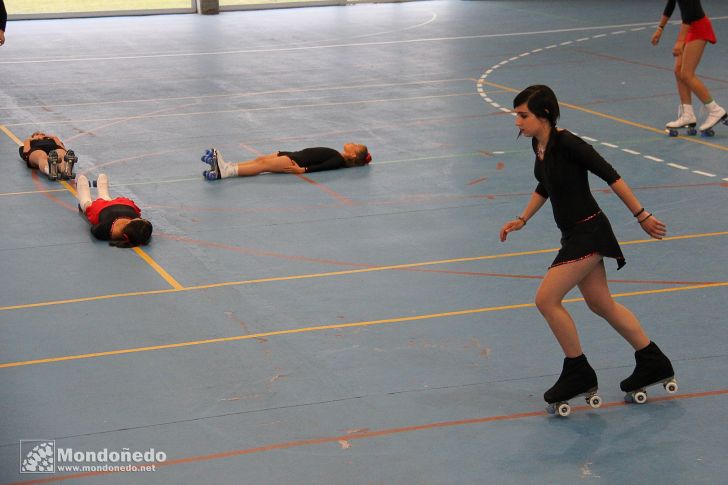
(563, 177)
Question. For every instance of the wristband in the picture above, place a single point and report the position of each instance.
(643, 220)
(521, 219)
(661, 27)
(639, 212)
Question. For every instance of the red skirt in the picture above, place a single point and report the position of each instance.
(701, 30)
(93, 210)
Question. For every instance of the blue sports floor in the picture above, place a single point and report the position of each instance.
(359, 326)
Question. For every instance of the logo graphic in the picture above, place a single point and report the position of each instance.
(37, 456)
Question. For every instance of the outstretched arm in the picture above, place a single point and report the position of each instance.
(537, 201)
(651, 225)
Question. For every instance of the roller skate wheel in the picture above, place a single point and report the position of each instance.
(563, 409)
(671, 387)
(707, 133)
(551, 409)
(628, 398)
(672, 132)
(692, 131)
(210, 175)
(594, 401)
(640, 397)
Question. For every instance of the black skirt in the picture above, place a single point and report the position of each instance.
(592, 235)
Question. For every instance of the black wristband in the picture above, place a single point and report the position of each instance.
(639, 212)
(643, 220)
(521, 219)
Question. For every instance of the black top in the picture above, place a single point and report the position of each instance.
(3, 16)
(107, 216)
(690, 10)
(563, 176)
(316, 159)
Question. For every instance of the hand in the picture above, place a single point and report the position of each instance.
(294, 168)
(514, 225)
(654, 227)
(656, 36)
(677, 49)
(2, 37)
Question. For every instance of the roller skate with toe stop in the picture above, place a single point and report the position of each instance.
(53, 163)
(71, 159)
(652, 368)
(210, 157)
(685, 120)
(577, 379)
(716, 115)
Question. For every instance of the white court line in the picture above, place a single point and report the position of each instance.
(319, 47)
(610, 145)
(632, 152)
(704, 173)
(675, 165)
(654, 159)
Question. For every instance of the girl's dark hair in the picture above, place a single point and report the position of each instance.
(137, 232)
(363, 157)
(541, 101)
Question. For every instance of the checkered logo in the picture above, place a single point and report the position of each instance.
(37, 456)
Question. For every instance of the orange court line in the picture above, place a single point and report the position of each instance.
(336, 326)
(343, 199)
(360, 435)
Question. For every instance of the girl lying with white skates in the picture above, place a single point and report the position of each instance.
(116, 220)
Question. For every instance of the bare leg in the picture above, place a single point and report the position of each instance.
(595, 289)
(102, 187)
(692, 53)
(267, 163)
(83, 192)
(39, 160)
(686, 96)
(558, 281)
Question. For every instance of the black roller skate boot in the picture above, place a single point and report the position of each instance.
(71, 159)
(53, 165)
(577, 379)
(653, 367)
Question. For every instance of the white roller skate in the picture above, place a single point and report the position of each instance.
(71, 159)
(716, 115)
(685, 120)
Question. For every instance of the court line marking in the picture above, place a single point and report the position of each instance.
(335, 273)
(243, 110)
(338, 326)
(328, 46)
(140, 252)
(361, 435)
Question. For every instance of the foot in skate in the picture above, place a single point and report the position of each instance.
(563, 408)
(639, 396)
(685, 120)
(53, 163)
(211, 158)
(652, 367)
(577, 379)
(706, 129)
(71, 160)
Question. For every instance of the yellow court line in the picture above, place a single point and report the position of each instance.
(143, 255)
(334, 273)
(11, 135)
(337, 326)
(620, 120)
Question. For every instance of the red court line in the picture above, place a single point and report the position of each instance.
(344, 200)
(478, 180)
(372, 434)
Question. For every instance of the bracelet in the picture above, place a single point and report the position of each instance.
(639, 212)
(521, 219)
(661, 27)
(643, 220)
